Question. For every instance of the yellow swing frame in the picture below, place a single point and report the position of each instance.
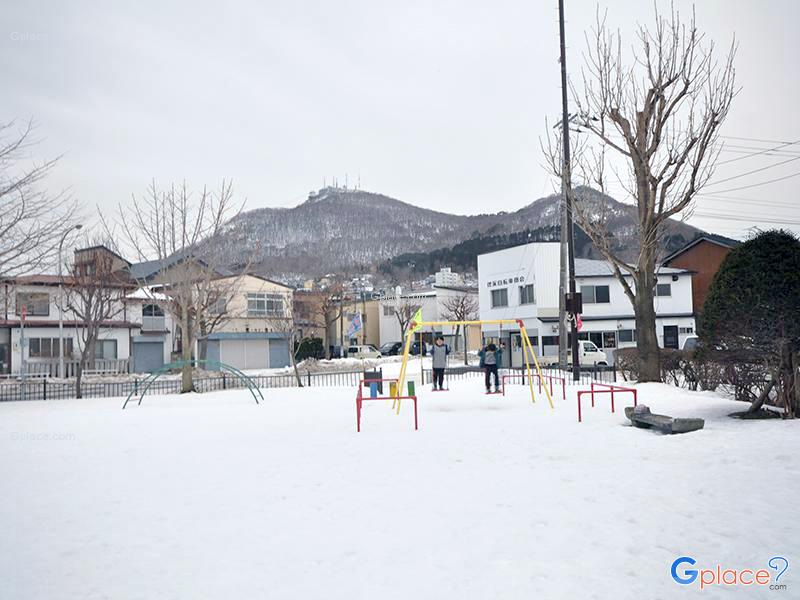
(526, 346)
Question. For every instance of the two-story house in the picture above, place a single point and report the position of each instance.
(31, 309)
(257, 320)
(523, 282)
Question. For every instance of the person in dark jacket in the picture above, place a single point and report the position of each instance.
(439, 354)
(491, 358)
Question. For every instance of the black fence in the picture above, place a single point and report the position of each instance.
(43, 389)
(586, 375)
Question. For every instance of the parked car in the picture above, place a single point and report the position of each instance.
(392, 348)
(414, 351)
(691, 343)
(588, 355)
(363, 352)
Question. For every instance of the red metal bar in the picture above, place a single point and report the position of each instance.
(612, 389)
(360, 400)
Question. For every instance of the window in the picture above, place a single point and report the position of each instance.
(549, 340)
(595, 294)
(265, 305)
(627, 335)
(499, 297)
(35, 303)
(596, 338)
(105, 349)
(388, 310)
(526, 294)
(152, 310)
(590, 347)
(663, 289)
(609, 339)
(686, 330)
(220, 307)
(48, 347)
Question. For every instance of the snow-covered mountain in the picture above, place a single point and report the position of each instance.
(341, 229)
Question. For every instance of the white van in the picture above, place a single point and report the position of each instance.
(588, 355)
(367, 351)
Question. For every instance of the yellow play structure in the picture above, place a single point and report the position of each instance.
(526, 348)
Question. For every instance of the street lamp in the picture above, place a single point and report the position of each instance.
(61, 371)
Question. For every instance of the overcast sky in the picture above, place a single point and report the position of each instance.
(437, 103)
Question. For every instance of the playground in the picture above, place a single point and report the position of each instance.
(214, 495)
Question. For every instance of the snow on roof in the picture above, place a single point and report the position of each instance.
(147, 293)
(586, 267)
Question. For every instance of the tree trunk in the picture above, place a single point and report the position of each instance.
(796, 382)
(759, 402)
(78, 379)
(326, 339)
(187, 384)
(293, 359)
(646, 336)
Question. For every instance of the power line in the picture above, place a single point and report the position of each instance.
(749, 139)
(778, 164)
(745, 219)
(746, 187)
(758, 153)
(760, 203)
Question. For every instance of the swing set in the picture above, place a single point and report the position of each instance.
(527, 348)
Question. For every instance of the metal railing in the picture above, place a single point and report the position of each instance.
(587, 375)
(49, 368)
(48, 390)
(154, 323)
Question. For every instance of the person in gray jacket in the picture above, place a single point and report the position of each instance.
(439, 354)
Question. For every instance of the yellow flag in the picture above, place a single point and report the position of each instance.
(416, 320)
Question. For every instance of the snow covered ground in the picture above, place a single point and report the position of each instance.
(214, 496)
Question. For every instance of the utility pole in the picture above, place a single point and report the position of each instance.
(566, 191)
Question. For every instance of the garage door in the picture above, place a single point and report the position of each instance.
(278, 353)
(148, 356)
(245, 354)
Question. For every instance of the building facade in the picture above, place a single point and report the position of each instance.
(435, 304)
(523, 282)
(255, 326)
(32, 306)
(703, 256)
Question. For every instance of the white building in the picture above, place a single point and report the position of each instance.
(522, 283)
(35, 342)
(434, 305)
(445, 277)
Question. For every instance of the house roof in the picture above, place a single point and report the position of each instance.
(103, 247)
(143, 271)
(712, 238)
(457, 288)
(67, 323)
(68, 280)
(586, 267)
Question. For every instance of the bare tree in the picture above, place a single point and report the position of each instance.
(404, 311)
(288, 325)
(94, 294)
(216, 295)
(327, 310)
(653, 120)
(32, 221)
(180, 232)
(461, 307)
